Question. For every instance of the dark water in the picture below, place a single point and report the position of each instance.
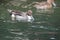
(45, 27)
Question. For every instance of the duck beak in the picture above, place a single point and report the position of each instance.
(54, 4)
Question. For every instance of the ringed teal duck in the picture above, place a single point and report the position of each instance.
(45, 5)
(21, 16)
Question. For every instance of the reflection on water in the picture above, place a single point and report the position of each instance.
(43, 28)
(46, 11)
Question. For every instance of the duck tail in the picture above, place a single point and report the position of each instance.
(9, 10)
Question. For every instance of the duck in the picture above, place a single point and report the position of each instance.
(44, 5)
(21, 16)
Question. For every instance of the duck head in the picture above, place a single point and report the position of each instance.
(52, 2)
(29, 12)
(29, 16)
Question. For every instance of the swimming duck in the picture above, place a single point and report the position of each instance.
(45, 5)
(21, 16)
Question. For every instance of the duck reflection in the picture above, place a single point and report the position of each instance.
(46, 11)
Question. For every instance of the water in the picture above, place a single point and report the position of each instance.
(45, 26)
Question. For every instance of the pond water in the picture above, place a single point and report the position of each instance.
(45, 26)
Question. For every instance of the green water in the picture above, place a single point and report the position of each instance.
(46, 25)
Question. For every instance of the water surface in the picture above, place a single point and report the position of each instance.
(45, 26)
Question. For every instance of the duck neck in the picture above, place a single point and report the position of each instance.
(49, 1)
